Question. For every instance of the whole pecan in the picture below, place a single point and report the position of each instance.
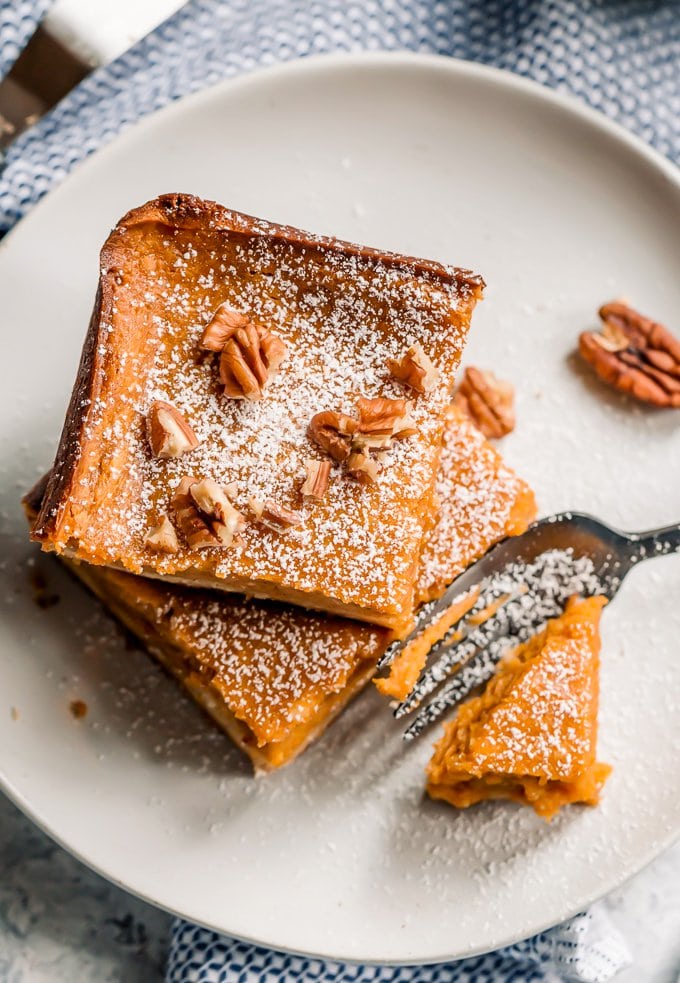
(248, 360)
(635, 355)
(487, 401)
(250, 354)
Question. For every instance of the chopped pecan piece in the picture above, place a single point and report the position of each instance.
(163, 537)
(192, 525)
(212, 502)
(635, 355)
(316, 478)
(168, 432)
(362, 468)
(381, 417)
(332, 432)
(274, 516)
(415, 369)
(222, 326)
(230, 490)
(349, 441)
(487, 401)
(204, 514)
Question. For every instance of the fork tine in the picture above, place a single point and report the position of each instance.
(484, 606)
(540, 573)
(457, 651)
(488, 569)
(428, 614)
(436, 674)
(491, 596)
(450, 656)
(476, 671)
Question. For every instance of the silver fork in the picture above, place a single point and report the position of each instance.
(531, 577)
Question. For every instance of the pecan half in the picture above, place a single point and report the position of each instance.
(221, 327)
(251, 356)
(333, 432)
(317, 474)
(168, 432)
(487, 401)
(635, 355)
(274, 516)
(415, 369)
(162, 537)
(362, 468)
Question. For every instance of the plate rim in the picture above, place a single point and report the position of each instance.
(309, 65)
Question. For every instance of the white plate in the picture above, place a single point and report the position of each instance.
(340, 855)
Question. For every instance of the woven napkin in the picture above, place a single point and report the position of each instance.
(18, 21)
(620, 57)
(587, 948)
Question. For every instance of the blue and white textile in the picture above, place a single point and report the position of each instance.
(18, 21)
(622, 58)
(587, 948)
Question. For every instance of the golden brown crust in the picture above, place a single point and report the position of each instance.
(189, 212)
(178, 211)
(59, 482)
(33, 499)
(136, 603)
(265, 591)
(208, 643)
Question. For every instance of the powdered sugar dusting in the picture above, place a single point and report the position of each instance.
(272, 664)
(341, 317)
(479, 497)
(558, 690)
(540, 711)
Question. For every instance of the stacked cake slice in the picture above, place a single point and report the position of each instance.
(260, 473)
(273, 676)
(260, 411)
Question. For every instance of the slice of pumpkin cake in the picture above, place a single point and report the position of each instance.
(531, 735)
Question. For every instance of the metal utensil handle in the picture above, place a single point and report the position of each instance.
(656, 542)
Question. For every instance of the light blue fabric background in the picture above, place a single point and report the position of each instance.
(621, 56)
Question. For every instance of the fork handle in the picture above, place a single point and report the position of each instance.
(656, 542)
